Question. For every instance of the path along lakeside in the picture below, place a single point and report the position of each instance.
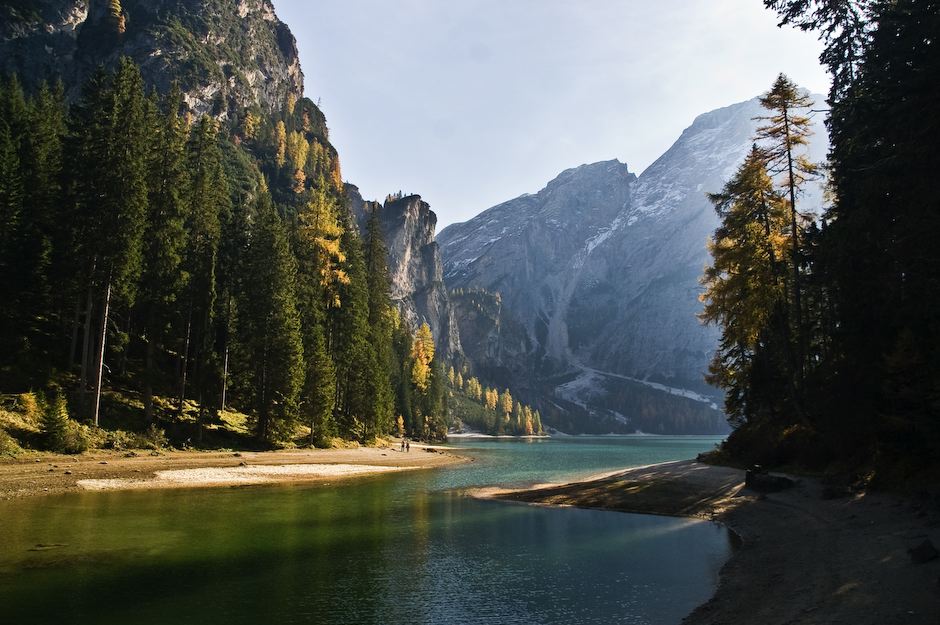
(50, 474)
(802, 558)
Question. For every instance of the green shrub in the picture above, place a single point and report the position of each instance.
(57, 431)
(8, 444)
(53, 422)
(152, 438)
(29, 406)
(77, 437)
(119, 440)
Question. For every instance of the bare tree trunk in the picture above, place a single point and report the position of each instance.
(129, 332)
(86, 348)
(185, 363)
(148, 381)
(76, 322)
(104, 336)
(224, 379)
(797, 296)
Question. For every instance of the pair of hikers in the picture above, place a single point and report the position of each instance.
(405, 444)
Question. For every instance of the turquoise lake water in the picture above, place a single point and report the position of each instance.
(406, 548)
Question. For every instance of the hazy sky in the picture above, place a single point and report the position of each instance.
(473, 102)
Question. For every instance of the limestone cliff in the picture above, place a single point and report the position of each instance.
(414, 264)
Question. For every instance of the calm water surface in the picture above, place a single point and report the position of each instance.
(383, 549)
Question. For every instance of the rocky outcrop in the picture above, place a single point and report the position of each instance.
(414, 264)
(601, 271)
(226, 56)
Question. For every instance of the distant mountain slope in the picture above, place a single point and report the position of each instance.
(600, 272)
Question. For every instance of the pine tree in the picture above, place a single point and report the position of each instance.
(162, 282)
(844, 27)
(788, 130)
(319, 394)
(400, 379)
(380, 325)
(54, 422)
(272, 326)
(11, 209)
(354, 357)
(206, 203)
(111, 196)
(42, 227)
(435, 408)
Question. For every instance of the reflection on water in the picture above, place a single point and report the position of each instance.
(385, 549)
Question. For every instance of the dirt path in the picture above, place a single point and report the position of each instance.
(803, 559)
(45, 474)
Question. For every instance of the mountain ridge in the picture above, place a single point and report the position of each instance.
(614, 294)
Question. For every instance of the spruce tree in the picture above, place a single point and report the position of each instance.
(319, 396)
(271, 326)
(207, 203)
(354, 357)
(111, 197)
(54, 422)
(11, 208)
(380, 325)
(162, 281)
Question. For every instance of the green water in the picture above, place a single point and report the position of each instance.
(407, 548)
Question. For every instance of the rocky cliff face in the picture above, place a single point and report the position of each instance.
(414, 264)
(600, 271)
(226, 55)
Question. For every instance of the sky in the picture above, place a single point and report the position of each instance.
(470, 103)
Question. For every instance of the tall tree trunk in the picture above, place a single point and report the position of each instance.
(148, 381)
(129, 332)
(86, 345)
(76, 322)
(224, 379)
(794, 239)
(104, 335)
(184, 365)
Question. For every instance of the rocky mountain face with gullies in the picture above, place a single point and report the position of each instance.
(415, 267)
(596, 277)
(226, 55)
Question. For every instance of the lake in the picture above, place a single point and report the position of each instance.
(405, 548)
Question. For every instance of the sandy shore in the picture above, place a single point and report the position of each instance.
(802, 558)
(45, 474)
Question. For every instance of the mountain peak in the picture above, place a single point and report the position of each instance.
(598, 274)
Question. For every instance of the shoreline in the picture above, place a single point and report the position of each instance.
(50, 474)
(801, 558)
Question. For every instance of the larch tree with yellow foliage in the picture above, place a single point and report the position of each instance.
(745, 290)
(321, 228)
(422, 351)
